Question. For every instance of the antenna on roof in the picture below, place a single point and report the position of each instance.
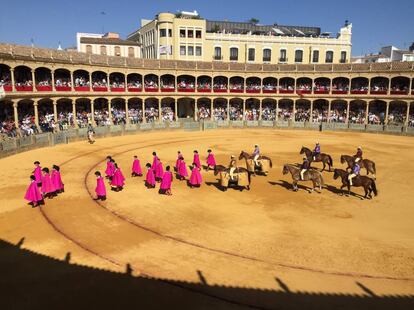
(346, 23)
(32, 42)
(59, 47)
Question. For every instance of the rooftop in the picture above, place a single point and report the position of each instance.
(108, 41)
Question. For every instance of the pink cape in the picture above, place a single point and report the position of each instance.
(196, 160)
(47, 185)
(182, 170)
(57, 180)
(33, 194)
(100, 189)
(195, 178)
(110, 168)
(178, 162)
(150, 178)
(38, 174)
(155, 162)
(118, 178)
(166, 180)
(136, 167)
(160, 171)
(211, 161)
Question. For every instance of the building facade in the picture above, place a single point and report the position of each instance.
(186, 36)
(387, 54)
(107, 44)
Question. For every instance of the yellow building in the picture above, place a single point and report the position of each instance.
(186, 36)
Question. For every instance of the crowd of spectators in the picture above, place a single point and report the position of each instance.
(236, 112)
(118, 116)
(321, 86)
(220, 113)
(167, 114)
(150, 84)
(357, 116)
(8, 128)
(5, 79)
(302, 114)
(134, 84)
(135, 115)
(186, 84)
(268, 113)
(99, 83)
(151, 114)
(304, 86)
(45, 82)
(251, 114)
(203, 112)
(359, 86)
(340, 86)
(220, 86)
(338, 115)
(269, 86)
(63, 82)
(167, 84)
(80, 81)
(204, 85)
(236, 86)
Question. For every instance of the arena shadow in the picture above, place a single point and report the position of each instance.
(289, 186)
(33, 281)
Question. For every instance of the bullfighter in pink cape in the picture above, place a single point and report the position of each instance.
(195, 178)
(57, 179)
(178, 161)
(136, 167)
(182, 172)
(155, 161)
(110, 167)
(37, 172)
(150, 177)
(167, 178)
(33, 194)
(100, 189)
(196, 159)
(48, 190)
(118, 180)
(159, 172)
(211, 160)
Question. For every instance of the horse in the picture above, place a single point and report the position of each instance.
(264, 161)
(225, 180)
(369, 165)
(310, 175)
(366, 182)
(322, 157)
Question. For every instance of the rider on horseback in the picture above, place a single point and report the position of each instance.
(256, 155)
(232, 166)
(358, 155)
(355, 172)
(305, 166)
(316, 151)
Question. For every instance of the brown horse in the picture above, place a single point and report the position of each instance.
(322, 157)
(219, 169)
(266, 162)
(369, 165)
(366, 182)
(310, 175)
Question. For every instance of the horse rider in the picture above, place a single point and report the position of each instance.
(358, 155)
(316, 151)
(355, 172)
(256, 155)
(305, 167)
(232, 166)
(91, 133)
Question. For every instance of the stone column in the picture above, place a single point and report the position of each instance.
(55, 116)
(195, 110)
(244, 109)
(294, 111)
(71, 81)
(36, 113)
(211, 109)
(260, 109)
(348, 106)
(330, 86)
(52, 72)
(329, 111)
(387, 110)
(389, 87)
(176, 109)
(311, 112)
(92, 103)
(407, 115)
(369, 86)
(277, 109)
(75, 121)
(109, 111)
(126, 81)
(159, 110)
(34, 80)
(15, 113)
(366, 113)
(90, 81)
(127, 120)
(228, 109)
(144, 119)
(12, 79)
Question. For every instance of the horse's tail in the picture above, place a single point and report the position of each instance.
(270, 162)
(321, 179)
(249, 177)
(373, 168)
(330, 161)
(374, 188)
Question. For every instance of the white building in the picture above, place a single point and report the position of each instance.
(387, 54)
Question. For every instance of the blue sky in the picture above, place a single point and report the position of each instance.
(375, 23)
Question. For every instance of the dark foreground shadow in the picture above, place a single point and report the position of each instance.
(288, 185)
(32, 281)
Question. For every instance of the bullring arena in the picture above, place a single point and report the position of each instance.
(264, 248)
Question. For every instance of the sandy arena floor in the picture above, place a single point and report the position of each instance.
(268, 238)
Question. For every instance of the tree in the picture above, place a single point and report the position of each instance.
(216, 28)
(254, 21)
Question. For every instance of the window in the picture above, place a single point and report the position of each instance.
(163, 33)
(282, 55)
(131, 52)
(298, 56)
(198, 51)
(182, 50)
(315, 56)
(190, 33)
(234, 54)
(198, 34)
(182, 33)
(251, 54)
(89, 49)
(170, 33)
(343, 57)
(217, 53)
(191, 50)
(103, 50)
(117, 51)
(329, 57)
(267, 55)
